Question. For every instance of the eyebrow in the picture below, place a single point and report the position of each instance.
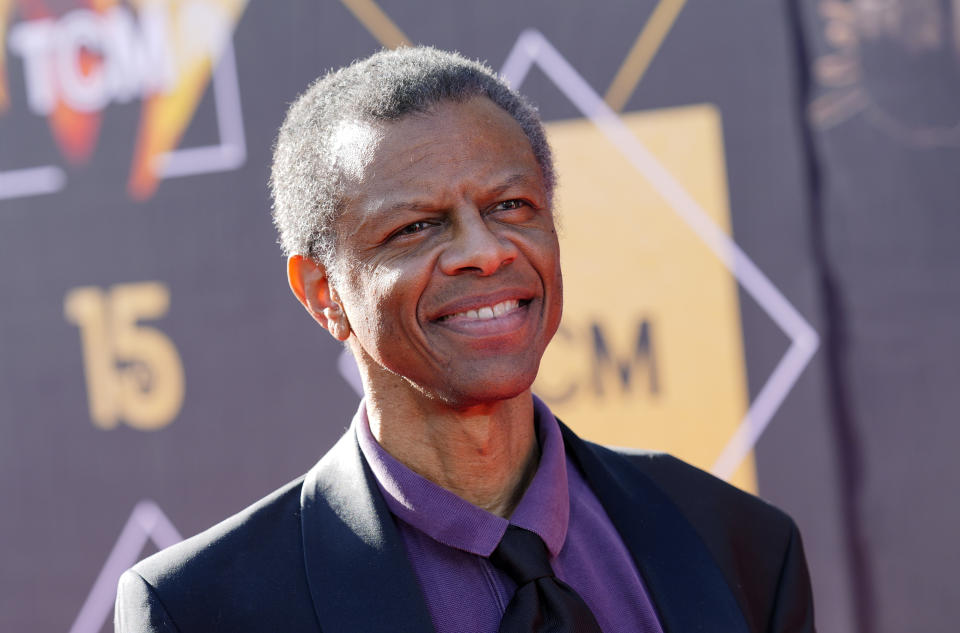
(513, 180)
(407, 205)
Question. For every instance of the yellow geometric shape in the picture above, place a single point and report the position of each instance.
(199, 32)
(6, 10)
(642, 52)
(377, 22)
(650, 352)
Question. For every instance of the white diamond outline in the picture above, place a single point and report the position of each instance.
(532, 47)
(231, 152)
(24, 182)
(147, 522)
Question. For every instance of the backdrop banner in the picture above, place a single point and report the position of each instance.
(759, 229)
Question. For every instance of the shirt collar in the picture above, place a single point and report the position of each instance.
(455, 522)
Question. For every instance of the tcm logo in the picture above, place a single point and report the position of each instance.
(87, 59)
(78, 61)
(587, 361)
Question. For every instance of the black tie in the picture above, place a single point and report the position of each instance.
(543, 603)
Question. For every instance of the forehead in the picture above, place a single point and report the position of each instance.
(352, 146)
(450, 148)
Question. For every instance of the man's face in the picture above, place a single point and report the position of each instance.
(448, 267)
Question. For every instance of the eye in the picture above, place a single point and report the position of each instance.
(509, 205)
(513, 211)
(414, 227)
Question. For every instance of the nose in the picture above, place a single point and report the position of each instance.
(475, 246)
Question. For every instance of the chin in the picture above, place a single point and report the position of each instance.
(477, 393)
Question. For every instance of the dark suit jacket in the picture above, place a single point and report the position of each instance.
(323, 554)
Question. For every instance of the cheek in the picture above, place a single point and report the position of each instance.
(553, 283)
(556, 303)
(388, 303)
(546, 257)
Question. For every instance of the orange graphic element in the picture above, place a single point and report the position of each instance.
(6, 10)
(635, 65)
(373, 18)
(74, 131)
(199, 38)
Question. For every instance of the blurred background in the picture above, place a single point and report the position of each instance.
(760, 230)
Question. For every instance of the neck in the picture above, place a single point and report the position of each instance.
(486, 454)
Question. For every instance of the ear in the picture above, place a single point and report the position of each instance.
(311, 285)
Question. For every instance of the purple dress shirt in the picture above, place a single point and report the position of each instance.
(449, 539)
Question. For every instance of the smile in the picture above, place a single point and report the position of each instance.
(485, 313)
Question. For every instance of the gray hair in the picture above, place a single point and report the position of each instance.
(306, 180)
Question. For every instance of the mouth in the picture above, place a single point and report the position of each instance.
(488, 312)
(490, 317)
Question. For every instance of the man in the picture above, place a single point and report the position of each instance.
(413, 197)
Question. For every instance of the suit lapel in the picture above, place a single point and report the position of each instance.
(357, 568)
(685, 584)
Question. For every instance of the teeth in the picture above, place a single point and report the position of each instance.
(488, 312)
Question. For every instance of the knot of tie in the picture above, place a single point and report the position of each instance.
(542, 603)
(523, 555)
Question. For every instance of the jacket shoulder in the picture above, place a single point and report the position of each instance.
(755, 544)
(274, 514)
(700, 495)
(228, 576)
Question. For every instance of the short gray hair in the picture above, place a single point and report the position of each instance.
(306, 181)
